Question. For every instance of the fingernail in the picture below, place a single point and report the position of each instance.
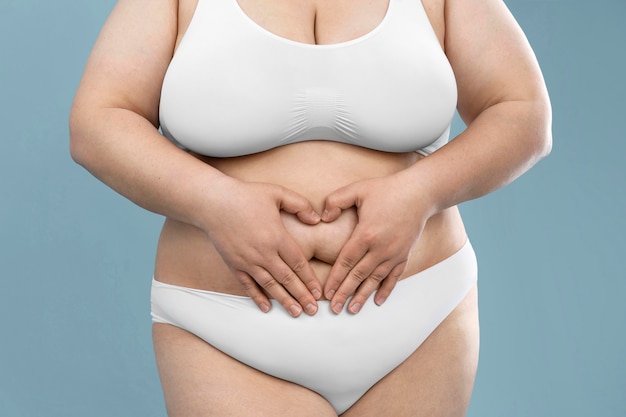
(316, 294)
(380, 301)
(337, 307)
(295, 310)
(355, 308)
(264, 307)
(311, 309)
(316, 217)
(325, 215)
(330, 294)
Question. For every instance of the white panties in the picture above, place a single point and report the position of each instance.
(338, 356)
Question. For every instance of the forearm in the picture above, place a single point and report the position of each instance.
(502, 143)
(126, 152)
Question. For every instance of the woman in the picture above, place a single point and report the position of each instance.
(305, 169)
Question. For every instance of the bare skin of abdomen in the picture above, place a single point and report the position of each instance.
(186, 256)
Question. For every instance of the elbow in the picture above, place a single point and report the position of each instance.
(543, 145)
(78, 134)
(76, 148)
(539, 124)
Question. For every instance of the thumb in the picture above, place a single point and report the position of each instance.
(338, 200)
(294, 203)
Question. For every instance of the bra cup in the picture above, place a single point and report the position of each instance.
(234, 88)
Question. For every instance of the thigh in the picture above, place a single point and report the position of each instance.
(200, 381)
(437, 379)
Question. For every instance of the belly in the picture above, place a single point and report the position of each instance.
(187, 257)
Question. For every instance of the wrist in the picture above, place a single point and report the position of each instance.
(210, 196)
(425, 196)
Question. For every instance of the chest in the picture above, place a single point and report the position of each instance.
(235, 87)
(317, 22)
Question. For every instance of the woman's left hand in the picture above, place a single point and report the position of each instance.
(391, 216)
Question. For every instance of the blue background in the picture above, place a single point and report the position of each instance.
(76, 259)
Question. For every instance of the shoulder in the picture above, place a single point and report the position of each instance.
(127, 64)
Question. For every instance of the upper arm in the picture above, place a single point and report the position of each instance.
(128, 62)
(490, 56)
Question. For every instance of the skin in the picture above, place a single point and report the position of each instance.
(353, 227)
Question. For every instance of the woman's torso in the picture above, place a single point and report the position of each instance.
(312, 168)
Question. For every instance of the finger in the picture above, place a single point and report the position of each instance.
(338, 200)
(294, 203)
(292, 256)
(367, 288)
(276, 290)
(354, 280)
(389, 283)
(297, 276)
(352, 252)
(253, 290)
(286, 277)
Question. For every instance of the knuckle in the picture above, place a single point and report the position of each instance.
(287, 279)
(394, 275)
(266, 240)
(398, 270)
(342, 295)
(268, 284)
(347, 262)
(242, 277)
(299, 266)
(370, 237)
(247, 285)
(344, 292)
(359, 275)
(378, 276)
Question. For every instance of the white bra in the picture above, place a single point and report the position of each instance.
(234, 88)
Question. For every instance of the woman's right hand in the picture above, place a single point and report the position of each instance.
(245, 226)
